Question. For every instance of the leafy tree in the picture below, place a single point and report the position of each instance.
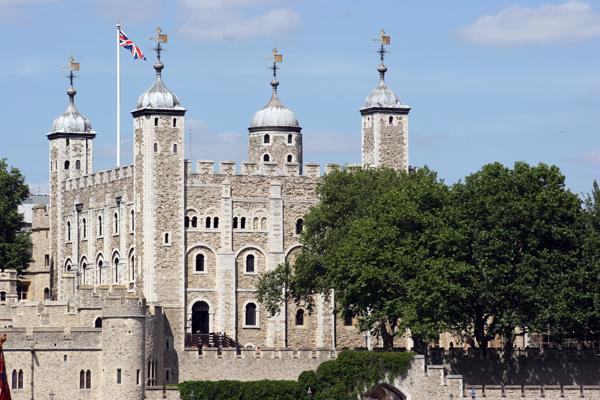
(520, 241)
(15, 244)
(368, 240)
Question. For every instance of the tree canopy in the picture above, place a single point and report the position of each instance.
(15, 243)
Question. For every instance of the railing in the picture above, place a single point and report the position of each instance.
(209, 340)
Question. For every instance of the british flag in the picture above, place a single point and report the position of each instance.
(128, 44)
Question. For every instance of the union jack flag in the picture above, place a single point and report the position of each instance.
(128, 44)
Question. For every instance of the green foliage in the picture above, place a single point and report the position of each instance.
(15, 244)
(346, 377)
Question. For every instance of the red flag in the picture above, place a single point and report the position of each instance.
(4, 388)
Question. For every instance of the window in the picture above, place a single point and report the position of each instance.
(187, 222)
(46, 294)
(2, 296)
(167, 375)
(99, 226)
(267, 139)
(300, 317)
(255, 223)
(174, 122)
(289, 158)
(152, 372)
(289, 139)
(132, 220)
(266, 158)
(68, 142)
(235, 223)
(156, 147)
(77, 164)
(88, 379)
(98, 323)
(155, 121)
(166, 238)
(243, 223)
(116, 270)
(215, 222)
(250, 263)
(200, 263)
(348, 320)
(194, 222)
(85, 273)
(207, 222)
(132, 268)
(14, 379)
(137, 377)
(100, 282)
(82, 379)
(116, 221)
(251, 314)
(20, 379)
(174, 148)
(299, 226)
(118, 376)
(47, 258)
(22, 290)
(84, 228)
(67, 164)
(263, 224)
(68, 231)
(391, 120)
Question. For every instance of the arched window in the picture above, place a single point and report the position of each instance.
(88, 379)
(207, 222)
(266, 158)
(250, 263)
(299, 226)
(14, 377)
(132, 220)
(67, 164)
(174, 122)
(20, 379)
(84, 228)
(194, 222)
(156, 147)
(289, 158)
(200, 263)
(255, 227)
(263, 224)
(98, 323)
(77, 164)
(267, 139)
(251, 314)
(85, 273)
(243, 223)
(156, 121)
(46, 294)
(116, 270)
(100, 282)
(215, 222)
(166, 238)
(235, 222)
(132, 268)
(175, 148)
(290, 139)
(187, 222)
(300, 317)
(99, 226)
(116, 220)
(68, 231)
(391, 120)
(82, 379)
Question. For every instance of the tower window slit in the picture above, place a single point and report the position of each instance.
(194, 222)
(215, 222)
(289, 139)
(207, 222)
(243, 223)
(156, 121)
(235, 223)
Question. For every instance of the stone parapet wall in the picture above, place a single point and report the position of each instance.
(100, 177)
(207, 167)
(588, 392)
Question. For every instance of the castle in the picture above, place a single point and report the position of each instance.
(132, 261)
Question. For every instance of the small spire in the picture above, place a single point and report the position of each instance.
(159, 38)
(73, 66)
(277, 58)
(384, 40)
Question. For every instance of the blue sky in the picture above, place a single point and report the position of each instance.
(487, 80)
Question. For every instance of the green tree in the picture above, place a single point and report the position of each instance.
(520, 241)
(15, 243)
(368, 240)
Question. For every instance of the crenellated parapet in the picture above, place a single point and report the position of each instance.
(247, 168)
(100, 178)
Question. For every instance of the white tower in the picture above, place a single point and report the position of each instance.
(384, 123)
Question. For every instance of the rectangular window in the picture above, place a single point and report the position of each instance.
(137, 377)
(167, 376)
(65, 358)
(118, 376)
(47, 260)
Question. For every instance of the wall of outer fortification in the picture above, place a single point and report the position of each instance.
(38, 272)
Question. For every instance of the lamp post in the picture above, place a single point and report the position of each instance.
(473, 393)
(309, 393)
(51, 395)
(192, 396)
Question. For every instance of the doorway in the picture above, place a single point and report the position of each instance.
(200, 317)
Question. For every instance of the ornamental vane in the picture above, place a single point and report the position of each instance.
(159, 38)
(73, 66)
(277, 58)
(384, 40)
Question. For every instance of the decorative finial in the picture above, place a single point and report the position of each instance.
(384, 40)
(73, 66)
(277, 58)
(159, 38)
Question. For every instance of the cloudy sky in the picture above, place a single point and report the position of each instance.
(487, 81)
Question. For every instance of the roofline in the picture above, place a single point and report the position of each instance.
(67, 135)
(384, 110)
(253, 129)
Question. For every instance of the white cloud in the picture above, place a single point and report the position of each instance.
(571, 22)
(220, 20)
(587, 158)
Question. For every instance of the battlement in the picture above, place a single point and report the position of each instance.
(247, 168)
(124, 306)
(53, 339)
(100, 177)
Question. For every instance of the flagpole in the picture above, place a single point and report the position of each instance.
(118, 98)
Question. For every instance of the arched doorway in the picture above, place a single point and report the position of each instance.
(200, 317)
(384, 391)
